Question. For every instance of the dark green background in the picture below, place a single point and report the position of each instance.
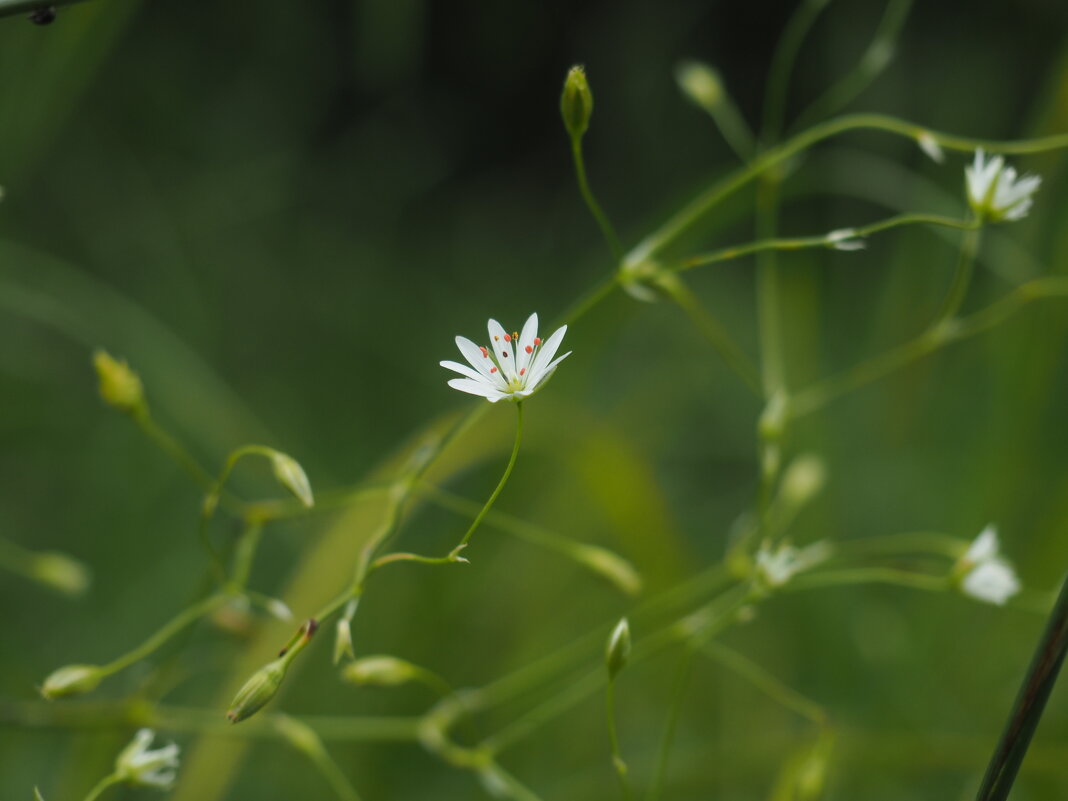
(281, 214)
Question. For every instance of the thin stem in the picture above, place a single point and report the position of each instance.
(713, 331)
(173, 448)
(828, 240)
(667, 739)
(765, 682)
(101, 786)
(875, 60)
(962, 277)
(684, 219)
(818, 395)
(603, 222)
(453, 555)
(184, 618)
(247, 544)
(613, 741)
(782, 64)
(1029, 705)
(869, 575)
(912, 542)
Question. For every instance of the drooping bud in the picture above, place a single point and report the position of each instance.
(72, 680)
(120, 387)
(700, 83)
(291, 476)
(929, 145)
(61, 572)
(264, 683)
(380, 670)
(618, 648)
(803, 480)
(576, 103)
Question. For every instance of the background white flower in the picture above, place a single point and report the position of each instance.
(512, 367)
(987, 576)
(139, 766)
(995, 192)
(776, 567)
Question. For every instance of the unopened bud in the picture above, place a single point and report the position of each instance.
(291, 476)
(120, 387)
(700, 83)
(380, 670)
(618, 648)
(929, 145)
(72, 680)
(611, 566)
(61, 572)
(803, 480)
(343, 641)
(258, 690)
(576, 103)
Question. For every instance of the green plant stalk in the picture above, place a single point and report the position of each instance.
(609, 233)
(184, 618)
(962, 277)
(820, 241)
(453, 555)
(101, 786)
(733, 127)
(11, 7)
(818, 395)
(713, 331)
(1029, 705)
(667, 739)
(870, 575)
(782, 64)
(618, 764)
(690, 214)
(174, 449)
(765, 682)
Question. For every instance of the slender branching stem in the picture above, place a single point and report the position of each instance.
(618, 764)
(607, 231)
(962, 277)
(102, 785)
(667, 739)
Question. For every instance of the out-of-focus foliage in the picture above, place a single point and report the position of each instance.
(281, 213)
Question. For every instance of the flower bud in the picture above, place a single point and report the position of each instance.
(120, 387)
(258, 690)
(380, 670)
(61, 572)
(700, 83)
(618, 648)
(343, 641)
(291, 475)
(72, 680)
(576, 103)
(803, 480)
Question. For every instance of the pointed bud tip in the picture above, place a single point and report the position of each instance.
(576, 103)
(119, 386)
(617, 649)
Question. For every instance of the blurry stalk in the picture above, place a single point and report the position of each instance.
(667, 739)
(11, 7)
(818, 395)
(832, 240)
(962, 277)
(1029, 705)
(873, 62)
(705, 87)
(52, 569)
(782, 65)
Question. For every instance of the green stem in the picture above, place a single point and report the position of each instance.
(713, 331)
(453, 555)
(962, 277)
(613, 741)
(782, 64)
(247, 543)
(818, 395)
(667, 739)
(101, 786)
(707, 200)
(603, 222)
(184, 618)
(173, 448)
(821, 241)
(869, 575)
(765, 682)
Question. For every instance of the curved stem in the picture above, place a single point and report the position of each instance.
(603, 222)
(667, 739)
(782, 64)
(11, 7)
(101, 786)
(962, 278)
(613, 740)
(184, 618)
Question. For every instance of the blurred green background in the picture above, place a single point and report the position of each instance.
(282, 213)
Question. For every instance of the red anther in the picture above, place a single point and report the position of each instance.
(537, 340)
(529, 349)
(523, 371)
(493, 369)
(485, 353)
(507, 337)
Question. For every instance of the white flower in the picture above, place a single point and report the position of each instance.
(512, 367)
(779, 566)
(986, 575)
(995, 192)
(137, 765)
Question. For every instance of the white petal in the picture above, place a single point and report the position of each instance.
(474, 375)
(542, 374)
(526, 340)
(502, 349)
(993, 581)
(473, 353)
(547, 351)
(984, 547)
(476, 388)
